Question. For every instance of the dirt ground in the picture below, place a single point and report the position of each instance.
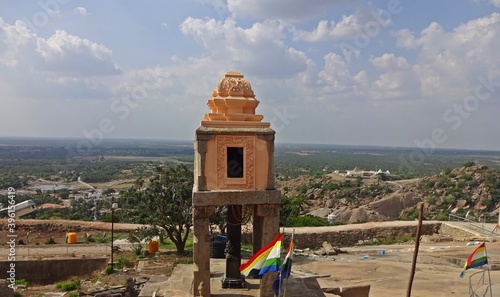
(388, 274)
(162, 263)
(437, 270)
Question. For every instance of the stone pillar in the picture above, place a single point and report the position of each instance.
(266, 285)
(269, 224)
(201, 250)
(269, 221)
(258, 225)
(233, 277)
(269, 138)
(200, 146)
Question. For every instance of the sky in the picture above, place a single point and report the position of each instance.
(422, 74)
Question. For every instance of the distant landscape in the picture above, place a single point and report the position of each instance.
(80, 176)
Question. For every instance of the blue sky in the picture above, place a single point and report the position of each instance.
(388, 73)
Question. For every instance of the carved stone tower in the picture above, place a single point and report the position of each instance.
(233, 167)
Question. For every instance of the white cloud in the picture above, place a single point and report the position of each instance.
(365, 19)
(62, 66)
(449, 62)
(81, 11)
(282, 9)
(61, 53)
(336, 81)
(71, 55)
(405, 38)
(329, 30)
(389, 62)
(397, 80)
(13, 40)
(396, 85)
(259, 50)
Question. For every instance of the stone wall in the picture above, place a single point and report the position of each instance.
(353, 237)
(458, 234)
(64, 226)
(49, 271)
(349, 235)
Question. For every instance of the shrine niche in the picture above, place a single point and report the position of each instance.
(233, 167)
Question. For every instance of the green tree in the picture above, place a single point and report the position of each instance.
(291, 207)
(108, 191)
(165, 202)
(81, 209)
(64, 193)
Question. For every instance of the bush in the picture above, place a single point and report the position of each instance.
(102, 239)
(21, 282)
(331, 186)
(122, 262)
(70, 285)
(469, 164)
(302, 189)
(306, 221)
(431, 200)
(186, 260)
(108, 270)
(397, 240)
(442, 217)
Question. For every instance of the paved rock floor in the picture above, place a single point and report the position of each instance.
(437, 271)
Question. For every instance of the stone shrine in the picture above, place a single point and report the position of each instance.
(234, 168)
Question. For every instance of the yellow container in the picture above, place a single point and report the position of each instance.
(71, 237)
(153, 246)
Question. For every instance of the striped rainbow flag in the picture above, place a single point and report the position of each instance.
(264, 260)
(476, 259)
(273, 260)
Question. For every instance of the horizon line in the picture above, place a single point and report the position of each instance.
(278, 143)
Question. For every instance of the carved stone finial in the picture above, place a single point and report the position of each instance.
(233, 84)
(233, 100)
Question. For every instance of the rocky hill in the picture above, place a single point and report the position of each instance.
(471, 189)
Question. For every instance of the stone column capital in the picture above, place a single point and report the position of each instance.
(203, 212)
(267, 210)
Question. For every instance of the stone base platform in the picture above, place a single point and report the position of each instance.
(180, 282)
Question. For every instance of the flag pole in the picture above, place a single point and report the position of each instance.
(279, 284)
(291, 259)
(489, 275)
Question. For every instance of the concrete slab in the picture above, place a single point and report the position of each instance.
(153, 285)
(180, 282)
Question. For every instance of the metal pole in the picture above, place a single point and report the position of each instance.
(279, 273)
(112, 229)
(489, 276)
(417, 244)
(291, 259)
